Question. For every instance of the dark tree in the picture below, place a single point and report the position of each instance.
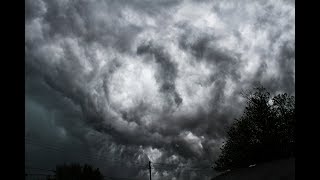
(265, 131)
(77, 172)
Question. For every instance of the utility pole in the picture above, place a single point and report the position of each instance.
(150, 169)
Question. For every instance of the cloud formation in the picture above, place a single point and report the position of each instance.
(150, 80)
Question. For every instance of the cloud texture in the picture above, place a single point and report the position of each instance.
(147, 80)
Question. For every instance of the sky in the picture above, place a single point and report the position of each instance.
(118, 83)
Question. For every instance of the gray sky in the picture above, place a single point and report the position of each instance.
(140, 80)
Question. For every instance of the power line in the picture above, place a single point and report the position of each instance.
(28, 167)
(98, 157)
(112, 177)
(37, 174)
(109, 177)
(42, 174)
(156, 166)
(54, 146)
(86, 157)
(59, 148)
(92, 157)
(37, 139)
(207, 169)
(164, 165)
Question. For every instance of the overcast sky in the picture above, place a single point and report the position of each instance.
(137, 80)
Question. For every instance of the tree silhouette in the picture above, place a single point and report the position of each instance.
(265, 131)
(77, 172)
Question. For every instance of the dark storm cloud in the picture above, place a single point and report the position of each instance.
(167, 71)
(203, 48)
(286, 59)
(286, 80)
(148, 80)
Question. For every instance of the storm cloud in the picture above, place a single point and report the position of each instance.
(133, 81)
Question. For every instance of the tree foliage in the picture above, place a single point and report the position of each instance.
(77, 172)
(265, 131)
